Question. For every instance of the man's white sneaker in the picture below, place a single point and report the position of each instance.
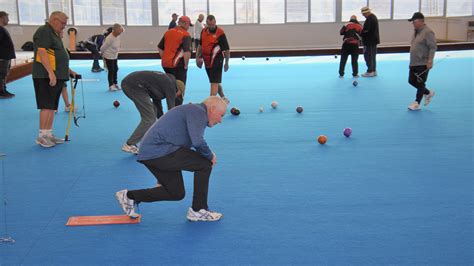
(45, 142)
(369, 74)
(130, 148)
(128, 205)
(414, 106)
(56, 140)
(429, 97)
(113, 88)
(117, 87)
(203, 215)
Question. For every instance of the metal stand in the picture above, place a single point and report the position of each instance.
(5, 239)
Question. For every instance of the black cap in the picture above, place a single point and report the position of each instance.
(417, 15)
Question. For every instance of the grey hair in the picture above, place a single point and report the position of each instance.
(58, 14)
(215, 101)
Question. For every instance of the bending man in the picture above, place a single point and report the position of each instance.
(166, 151)
(146, 89)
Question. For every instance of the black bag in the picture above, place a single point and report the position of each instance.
(28, 46)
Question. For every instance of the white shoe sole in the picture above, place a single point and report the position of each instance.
(196, 219)
(43, 145)
(129, 151)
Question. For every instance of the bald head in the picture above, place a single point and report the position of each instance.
(216, 108)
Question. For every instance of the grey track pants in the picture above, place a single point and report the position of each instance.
(145, 107)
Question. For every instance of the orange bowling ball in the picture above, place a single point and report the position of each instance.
(322, 139)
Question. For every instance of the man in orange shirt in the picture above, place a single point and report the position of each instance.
(213, 48)
(175, 51)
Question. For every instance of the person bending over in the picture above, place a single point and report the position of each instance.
(173, 144)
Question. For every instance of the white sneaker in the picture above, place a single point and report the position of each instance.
(369, 74)
(56, 140)
(45, 142)
(203, 215)
(117, 87)
(414, 106)
(113, 88)
(429, 97)
(130, 148)
(128, 205)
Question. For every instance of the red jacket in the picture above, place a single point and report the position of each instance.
(351, 32)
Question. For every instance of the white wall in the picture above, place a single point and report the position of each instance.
(283, 36)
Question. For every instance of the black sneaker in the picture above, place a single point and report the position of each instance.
(96, 70)
(5, 95)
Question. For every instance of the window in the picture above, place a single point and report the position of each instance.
(223, 10)
(404, 9)
(10, 7)
(272, 11)
(60, 5)
(247, 11)
(459, 8)
(352, 7)
(323, 10)
(432, 8)
(297, 10)
(166, 8)
(195, 7)
(32, 12)
(139, 13)
(86, 12)
(113, 11)
(381, 8)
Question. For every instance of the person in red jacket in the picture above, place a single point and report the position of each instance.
(350, 46)
(213, 50)
(175, 51)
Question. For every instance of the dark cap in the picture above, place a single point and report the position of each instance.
(417, 15)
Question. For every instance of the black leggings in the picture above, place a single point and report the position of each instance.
(418, 81)
(167, 170)
(112, 68)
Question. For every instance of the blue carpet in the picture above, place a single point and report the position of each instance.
(398, 191)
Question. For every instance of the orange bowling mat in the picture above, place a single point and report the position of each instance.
(101, 220)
